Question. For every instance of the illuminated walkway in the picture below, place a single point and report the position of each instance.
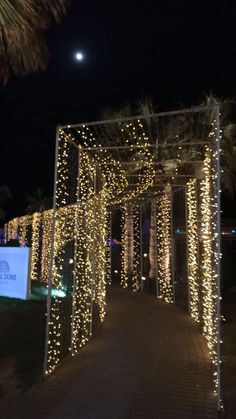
(147, 362)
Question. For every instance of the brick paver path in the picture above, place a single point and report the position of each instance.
(148, 361)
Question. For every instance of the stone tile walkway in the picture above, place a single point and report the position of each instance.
(148, 361)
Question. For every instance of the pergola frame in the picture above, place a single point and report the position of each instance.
(95, 166)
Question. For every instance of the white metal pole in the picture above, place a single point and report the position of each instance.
(218, 244)
(110, 246)
(94, 253)
(49, 301)
(109, 121)
(187, 246)
(172, 244)
(5, 233)
(154, 203)
(141, 247)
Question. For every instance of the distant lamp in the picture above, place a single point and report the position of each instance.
(57, 293)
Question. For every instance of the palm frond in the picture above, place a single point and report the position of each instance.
(5, 193)
(56, 8)
(38, 201)
(2, 214)
(22, 46)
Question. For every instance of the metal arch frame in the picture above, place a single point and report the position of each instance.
(194, 109)
(218, 284)
(49, 299)
(214, 108)
(105, 130)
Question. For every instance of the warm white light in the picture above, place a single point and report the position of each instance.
(116, 272)
(145, 255)
(193, 247)
(163, 220)
(71, 261)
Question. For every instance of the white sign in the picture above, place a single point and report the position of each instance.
(15, 272)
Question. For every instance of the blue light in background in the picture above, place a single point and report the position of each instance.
(57, 293)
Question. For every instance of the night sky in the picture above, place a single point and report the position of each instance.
(174, 52)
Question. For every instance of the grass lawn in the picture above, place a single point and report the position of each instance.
(22, 331)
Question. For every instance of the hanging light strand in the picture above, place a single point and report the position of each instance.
(192, 243)
(164, 248)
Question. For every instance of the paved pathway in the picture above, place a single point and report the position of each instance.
(148, 361)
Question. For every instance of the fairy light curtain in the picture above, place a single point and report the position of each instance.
(153, 241)
(78, 253)
(130, 257)
(108, 239)
(164, 251)
(193, 249)
(127, 255)
(12, 229)
(23, 225)
(136, 274)
(35, 244)
(46, 245)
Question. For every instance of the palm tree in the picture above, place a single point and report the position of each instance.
(22, 47)
(38, 202)
(228, 142)
(5, 194)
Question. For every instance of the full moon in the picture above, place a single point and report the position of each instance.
(79, 56)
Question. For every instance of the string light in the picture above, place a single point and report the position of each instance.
(136, 285)
(35, 245)
(100, 218)
(108, 239)
(127, 244)
(130, 256)
(12, 229)
(54, 337)
(46, 245)
(165, 288)
(152, 241)
(192, 244)
(23, 225)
